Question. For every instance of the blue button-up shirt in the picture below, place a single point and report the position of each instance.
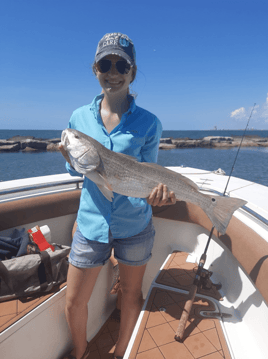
(138, 135)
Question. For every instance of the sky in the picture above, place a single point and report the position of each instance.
(201, 64)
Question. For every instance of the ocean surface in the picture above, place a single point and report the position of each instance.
(251, 164)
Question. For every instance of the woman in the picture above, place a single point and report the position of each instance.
(125, 224)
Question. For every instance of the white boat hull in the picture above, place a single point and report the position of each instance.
(43, 332)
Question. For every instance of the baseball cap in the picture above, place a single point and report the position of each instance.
(116, 44)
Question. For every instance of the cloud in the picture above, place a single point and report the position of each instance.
(264, 110)
(239, 113)
(259, 114)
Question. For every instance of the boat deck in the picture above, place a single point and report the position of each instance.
(12, 311)
(204, 337)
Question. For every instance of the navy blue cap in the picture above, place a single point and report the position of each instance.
(116, 44)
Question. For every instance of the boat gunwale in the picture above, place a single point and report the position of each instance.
(78, 182)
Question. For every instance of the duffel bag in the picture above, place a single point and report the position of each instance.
(33, 275)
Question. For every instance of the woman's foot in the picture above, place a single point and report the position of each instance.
(72, 355)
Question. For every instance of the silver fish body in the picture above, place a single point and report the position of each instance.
(123, 174)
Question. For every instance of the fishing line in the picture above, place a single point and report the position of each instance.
(224, 192)
(188, 304)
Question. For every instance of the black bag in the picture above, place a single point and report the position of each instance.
(33, 275)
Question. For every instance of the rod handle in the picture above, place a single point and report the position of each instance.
(185, 314)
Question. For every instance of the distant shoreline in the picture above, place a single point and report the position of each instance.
(30, 143)
(213, 142)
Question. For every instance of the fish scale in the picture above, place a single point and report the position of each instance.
(123, 174)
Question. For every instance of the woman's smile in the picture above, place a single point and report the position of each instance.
(112, 80)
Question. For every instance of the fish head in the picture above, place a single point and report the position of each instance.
(81, 150)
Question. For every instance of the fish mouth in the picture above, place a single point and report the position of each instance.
(65, 139)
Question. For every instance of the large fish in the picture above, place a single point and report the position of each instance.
(123, 174)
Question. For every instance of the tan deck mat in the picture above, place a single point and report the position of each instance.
(178, 273)
(203, 338)
(13, 310)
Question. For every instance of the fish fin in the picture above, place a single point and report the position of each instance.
(107, 184)
(102, 183)
(106, 192)
(99, 179)
(178, 175)
(221, 214)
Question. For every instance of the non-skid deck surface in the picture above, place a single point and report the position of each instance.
(203, 338)
(102, 346)
(12, 311)
(178, 273)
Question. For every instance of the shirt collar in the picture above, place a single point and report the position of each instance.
(95, 104)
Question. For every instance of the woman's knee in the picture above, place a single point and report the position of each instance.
(71, 302)
(132, 294)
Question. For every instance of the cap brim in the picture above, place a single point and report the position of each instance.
(117, 52)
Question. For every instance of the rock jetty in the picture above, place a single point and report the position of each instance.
(29, 143)
(213, 142)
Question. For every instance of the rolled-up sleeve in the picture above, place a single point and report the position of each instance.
(68, 167)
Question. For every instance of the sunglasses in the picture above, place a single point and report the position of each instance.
(122, 66)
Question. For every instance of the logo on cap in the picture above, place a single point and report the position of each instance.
(124, 42)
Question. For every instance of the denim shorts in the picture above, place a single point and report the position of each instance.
(133, 251)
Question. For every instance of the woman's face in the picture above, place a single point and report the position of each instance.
(112, 81)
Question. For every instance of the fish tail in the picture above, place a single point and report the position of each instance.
(221, 214)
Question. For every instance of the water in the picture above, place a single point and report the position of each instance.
(251, 163)
(200, 134)
(45, 134)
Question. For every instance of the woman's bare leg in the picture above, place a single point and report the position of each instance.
(132, 300)
(80, 284)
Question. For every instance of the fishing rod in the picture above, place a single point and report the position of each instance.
(201, 272)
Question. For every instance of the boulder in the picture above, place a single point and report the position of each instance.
(167, 146)
(218, 138)
(20, 138)
(35, 144)
(53, 140)
(7, 142)
(13, 147)
(166, 140)
(52, 147)
(29, 149)
(185, 144)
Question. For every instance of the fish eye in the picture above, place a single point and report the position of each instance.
(76, 136)
(213, 199)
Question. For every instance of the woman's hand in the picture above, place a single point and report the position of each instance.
(64, 153)
(161, 197)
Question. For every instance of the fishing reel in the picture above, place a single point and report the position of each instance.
(204, 279)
